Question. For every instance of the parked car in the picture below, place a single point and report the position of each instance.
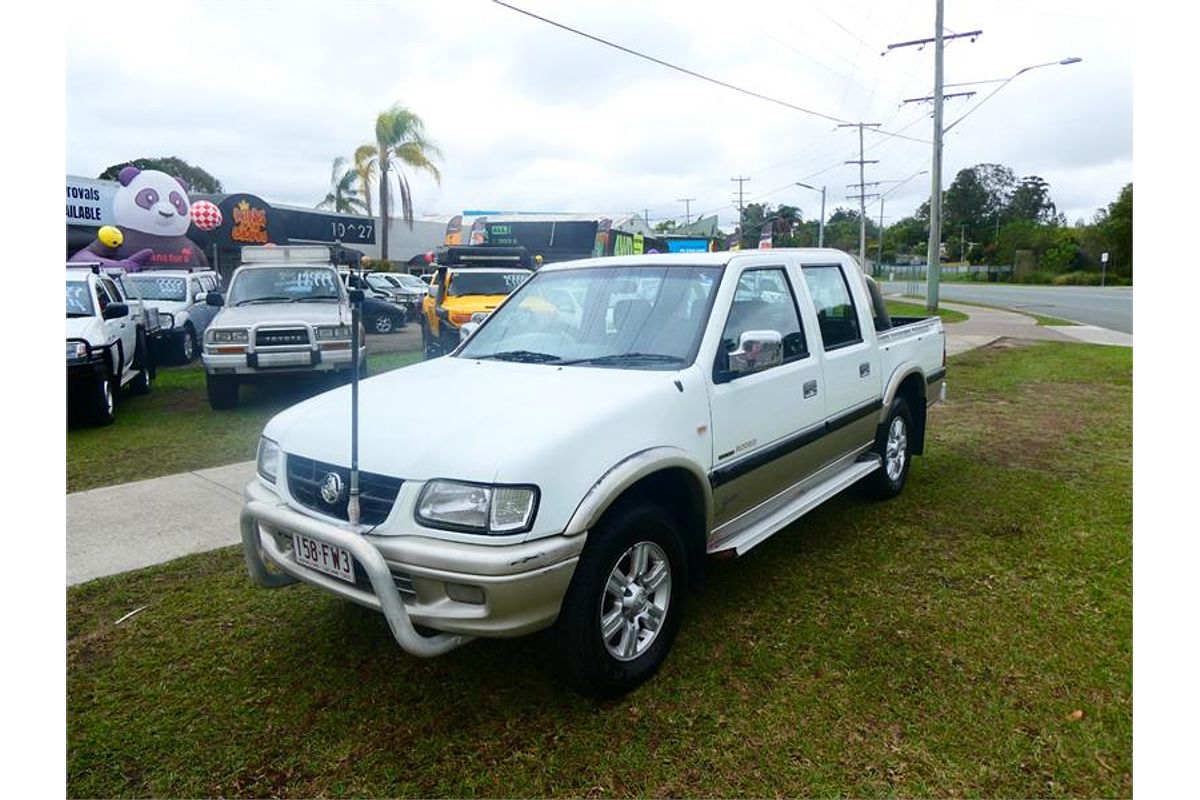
(380, 316)
(180, 297)
(467, 285)
(406, 291)
(107, 348)
(701, 403)
(286, 313)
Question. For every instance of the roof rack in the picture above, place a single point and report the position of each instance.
(483, 256)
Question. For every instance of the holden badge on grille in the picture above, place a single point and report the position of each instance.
(331, 488)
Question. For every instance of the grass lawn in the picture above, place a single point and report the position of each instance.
(897, 308)
(173, 429)
(971, 637)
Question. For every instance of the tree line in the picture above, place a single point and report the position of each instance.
(989, 217)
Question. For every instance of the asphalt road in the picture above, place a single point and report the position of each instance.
(1107, 307)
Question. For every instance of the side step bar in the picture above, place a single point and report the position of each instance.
(762, 529)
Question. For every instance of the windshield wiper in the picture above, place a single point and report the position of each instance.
(76, 314)
(313, 298)
(273, 299)
(524, 356)
(623, 358)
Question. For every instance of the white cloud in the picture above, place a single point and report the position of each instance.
(265, 95)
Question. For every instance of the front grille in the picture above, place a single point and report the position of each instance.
(281, 337)
(401, 580)
(377, 493)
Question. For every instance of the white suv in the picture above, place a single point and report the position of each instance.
(181, 299)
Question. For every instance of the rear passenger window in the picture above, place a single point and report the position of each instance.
(836, 315)
(764, 300)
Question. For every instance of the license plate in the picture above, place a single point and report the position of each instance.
(323, 557)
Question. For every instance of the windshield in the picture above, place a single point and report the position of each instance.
(643, 317)
(149, 287)
(79, 299)
(283, 285)
(408, 282)
(484, 283)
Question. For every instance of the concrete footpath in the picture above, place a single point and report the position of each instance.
(133, 525)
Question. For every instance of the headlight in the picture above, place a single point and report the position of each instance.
(458, 318)
(268, 459)
(166, 321)
(326, 332)
(76, 351)
(477, 508)
(479, 316)
(228, 336)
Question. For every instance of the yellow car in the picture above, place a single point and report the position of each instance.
(463, 293)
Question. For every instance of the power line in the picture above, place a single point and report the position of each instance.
(687, 71)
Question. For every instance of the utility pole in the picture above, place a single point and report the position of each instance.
(741, 181)
(939, 38)
(687, 209)
(646, 217)
(862, 198)
(879, 260)
(962, 242)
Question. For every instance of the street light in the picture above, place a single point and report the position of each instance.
(1005, 81)
(939, 131)
(821, 229)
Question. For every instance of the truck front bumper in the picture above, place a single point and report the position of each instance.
(512, 589)
(265, 362)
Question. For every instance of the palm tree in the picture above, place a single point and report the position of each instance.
(364, 168)
(343, 196)
(400, 140)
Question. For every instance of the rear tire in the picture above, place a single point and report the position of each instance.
(623, 608)
(141, 382)
(222, 391)
(101, 402)
(187, 345)
(893, 444)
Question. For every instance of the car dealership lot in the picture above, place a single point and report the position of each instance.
(940, 645)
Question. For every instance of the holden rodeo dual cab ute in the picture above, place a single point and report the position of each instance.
(682, 406)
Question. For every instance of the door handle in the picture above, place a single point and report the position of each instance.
(810, 389)
(864, 369)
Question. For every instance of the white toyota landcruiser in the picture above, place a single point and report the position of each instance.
(286, 313)
(692, 405)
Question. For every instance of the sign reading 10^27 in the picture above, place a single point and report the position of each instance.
(352, 231)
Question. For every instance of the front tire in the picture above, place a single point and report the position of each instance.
(623, 608)
(222, 391)
(428, 343)
(893, 444)
(141, 382)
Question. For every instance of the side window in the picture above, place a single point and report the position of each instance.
(102, 296)
(764, 300)
(111, 288)
(836, 315)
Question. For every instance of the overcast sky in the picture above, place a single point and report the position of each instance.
(531, 117)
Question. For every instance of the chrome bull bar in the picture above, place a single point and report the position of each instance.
(279, 517)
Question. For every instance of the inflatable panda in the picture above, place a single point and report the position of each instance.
(153, 213)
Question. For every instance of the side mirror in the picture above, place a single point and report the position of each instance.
(215, 299)
(199, 297)
(356, 295)
(115, 311)
(466, 330)
(757, 350)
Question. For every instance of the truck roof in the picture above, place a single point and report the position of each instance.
(718, 259)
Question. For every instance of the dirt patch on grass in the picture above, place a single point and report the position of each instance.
(1041, 426)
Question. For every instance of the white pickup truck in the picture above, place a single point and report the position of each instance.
(595, 453)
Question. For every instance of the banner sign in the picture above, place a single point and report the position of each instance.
(90, 202)
(312, 226)
(687, 245)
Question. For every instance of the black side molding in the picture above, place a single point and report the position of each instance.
(723, 475)
(935, 376)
